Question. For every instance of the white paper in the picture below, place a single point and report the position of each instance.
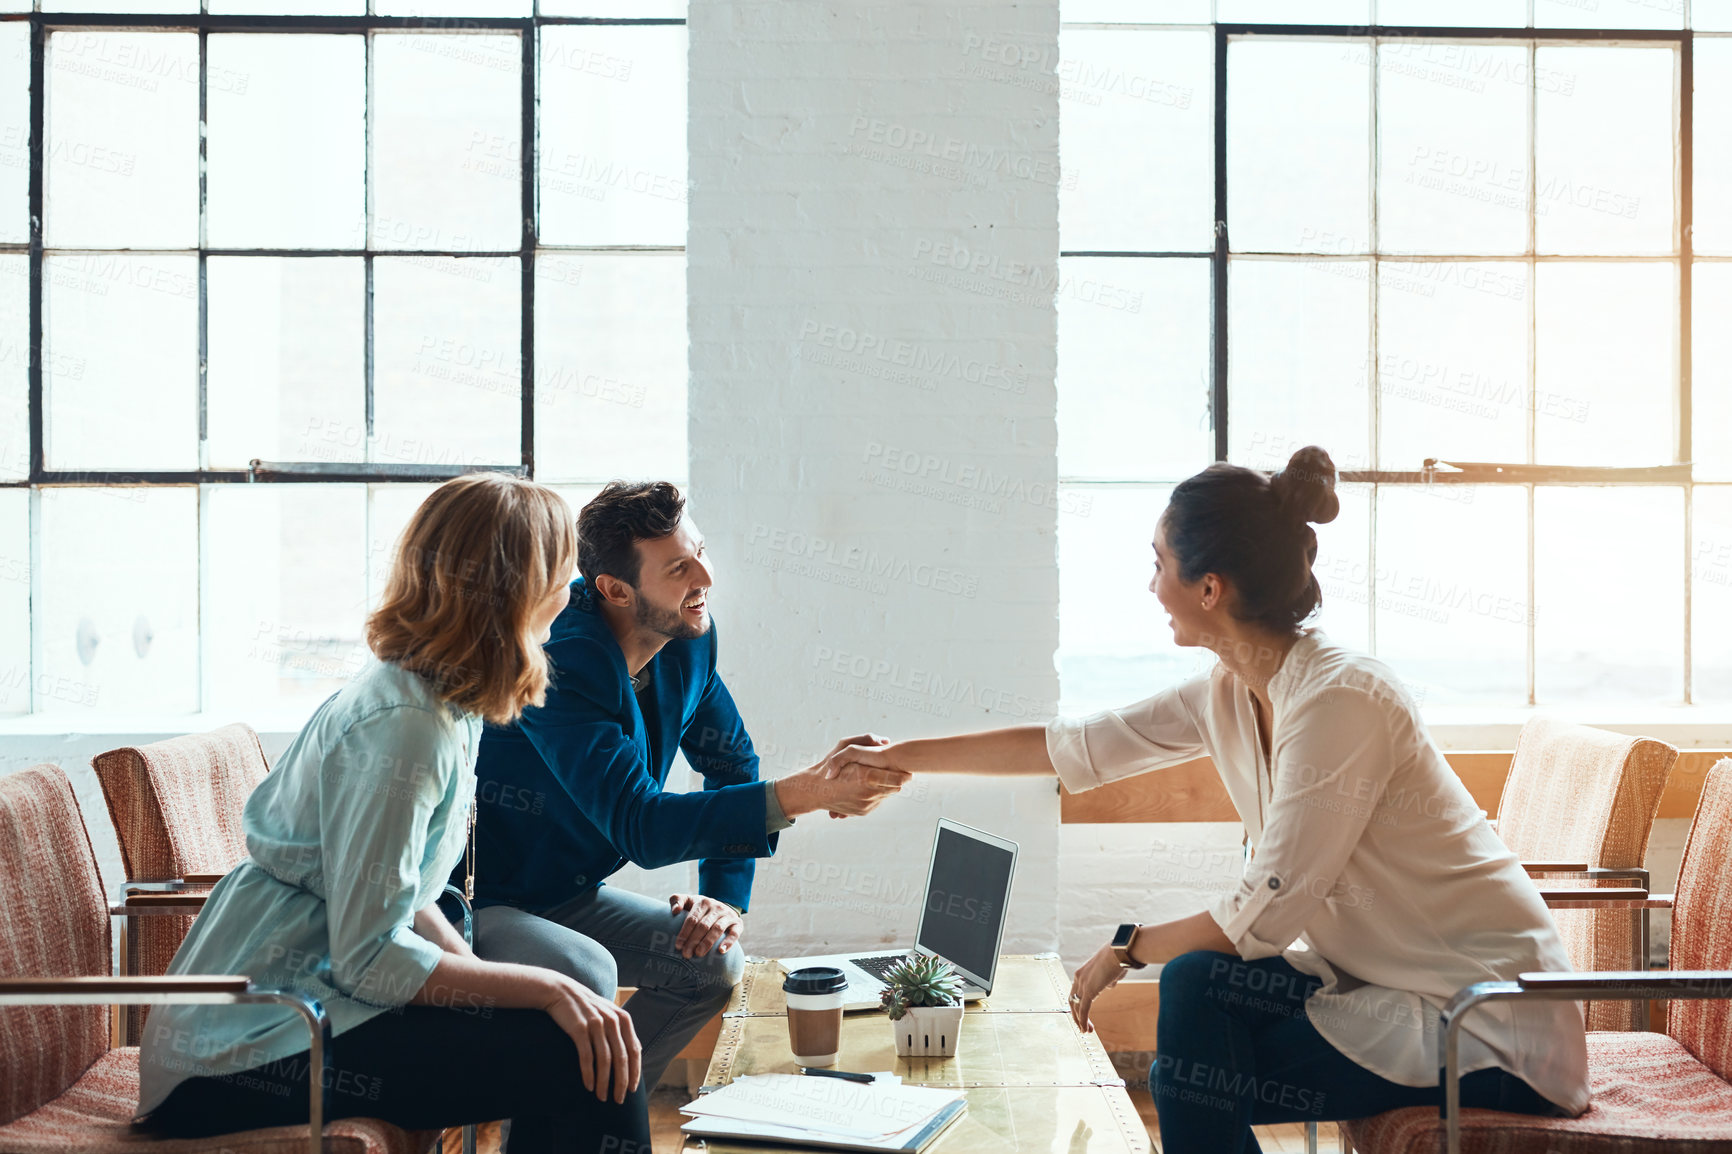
(829, 1106)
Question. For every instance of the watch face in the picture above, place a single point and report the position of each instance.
(1122, 939)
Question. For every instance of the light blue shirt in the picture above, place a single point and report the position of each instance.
(356, 829)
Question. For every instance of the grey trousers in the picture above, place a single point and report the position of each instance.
(609, 937)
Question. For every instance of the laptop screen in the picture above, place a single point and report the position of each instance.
(965, 896)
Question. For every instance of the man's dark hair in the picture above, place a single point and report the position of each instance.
(621, 515)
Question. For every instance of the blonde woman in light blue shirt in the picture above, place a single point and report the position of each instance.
(350, 840)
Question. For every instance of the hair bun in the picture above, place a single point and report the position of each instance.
(1306, 487)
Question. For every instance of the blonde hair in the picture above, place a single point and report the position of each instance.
(477, 558)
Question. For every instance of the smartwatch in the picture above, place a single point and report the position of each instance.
(1121, 946)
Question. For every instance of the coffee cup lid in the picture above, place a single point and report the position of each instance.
(815, 980)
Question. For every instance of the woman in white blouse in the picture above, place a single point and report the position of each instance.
(1375, 888)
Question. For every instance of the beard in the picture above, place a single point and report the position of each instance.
(670, 623)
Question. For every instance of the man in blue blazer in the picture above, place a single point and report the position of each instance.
(574, 789)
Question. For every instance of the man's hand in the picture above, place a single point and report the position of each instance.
(709, 923)
(842, 787)
(1101, 972)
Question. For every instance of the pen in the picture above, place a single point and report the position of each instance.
(846, 1075)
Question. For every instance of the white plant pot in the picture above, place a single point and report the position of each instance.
(928, 1031)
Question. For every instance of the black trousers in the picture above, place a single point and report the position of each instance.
(426, 1068)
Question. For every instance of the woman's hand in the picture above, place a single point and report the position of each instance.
(607, 1045)
(1100, 972)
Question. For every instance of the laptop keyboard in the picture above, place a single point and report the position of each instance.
(878, 966)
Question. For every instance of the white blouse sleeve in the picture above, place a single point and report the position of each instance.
(1330, 775)
(1152, 734)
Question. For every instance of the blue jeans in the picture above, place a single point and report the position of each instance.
(608, 937)
(1235, 1049)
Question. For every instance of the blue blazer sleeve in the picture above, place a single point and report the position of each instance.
(605, 772)
(719, 748)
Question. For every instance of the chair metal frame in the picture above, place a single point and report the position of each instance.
(182, 990)
(186, 897)
(1631, 985)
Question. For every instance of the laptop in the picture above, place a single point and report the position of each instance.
(961, 920)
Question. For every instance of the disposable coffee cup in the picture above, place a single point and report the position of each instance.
(815, 996)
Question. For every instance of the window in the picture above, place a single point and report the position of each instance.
(417, 237)
(1478, 261)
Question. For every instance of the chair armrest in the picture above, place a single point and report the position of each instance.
(188, 903)
(1631, 985)
(192, 989)
(1634, 874)
(1602, 893)
(468, 914)
(1555, 867)
(85, 988)
(1605, 899)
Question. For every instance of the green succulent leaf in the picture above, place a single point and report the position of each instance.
(920, 981)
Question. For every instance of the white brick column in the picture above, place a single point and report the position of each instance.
(873, 249)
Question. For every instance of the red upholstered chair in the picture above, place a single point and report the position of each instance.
(176, 807)
(61, 1087)
(1665, 1093)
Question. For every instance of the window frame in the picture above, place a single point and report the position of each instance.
(528, 28)
(42, 22)
(1678, 474)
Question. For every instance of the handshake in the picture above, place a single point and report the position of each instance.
(850, 781)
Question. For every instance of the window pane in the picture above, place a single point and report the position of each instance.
(1343, 560)
(613, 135)
(1138, 138)
(489, 8)
(121, 348)
(389, 508)
(14, 366)
(675, 9)
(1609, 594)
(1452, 362)
(1609, 14)
(610, 366)
(118, 625)
(1133, 369)
(447, 142)
(1711, 370)
(1452, 121)
(122, 139)
(15, 132)
(1711, 592)
(1293, 11)
(287, 359)
(1452, 590)
(1710, 15)
(1463, 13)
(1606, 370)
(1297, 170)
(286, 158)
(1603, 150)
(290, 7)
(1713, 146)
(1127, 11)
(15, 601)
(1297, 375)
(1115, 644)
(287, 593)
(120, 6)
(447, 361)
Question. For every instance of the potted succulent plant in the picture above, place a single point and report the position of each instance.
(923, 996)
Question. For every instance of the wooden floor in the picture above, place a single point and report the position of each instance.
(665, 1128)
